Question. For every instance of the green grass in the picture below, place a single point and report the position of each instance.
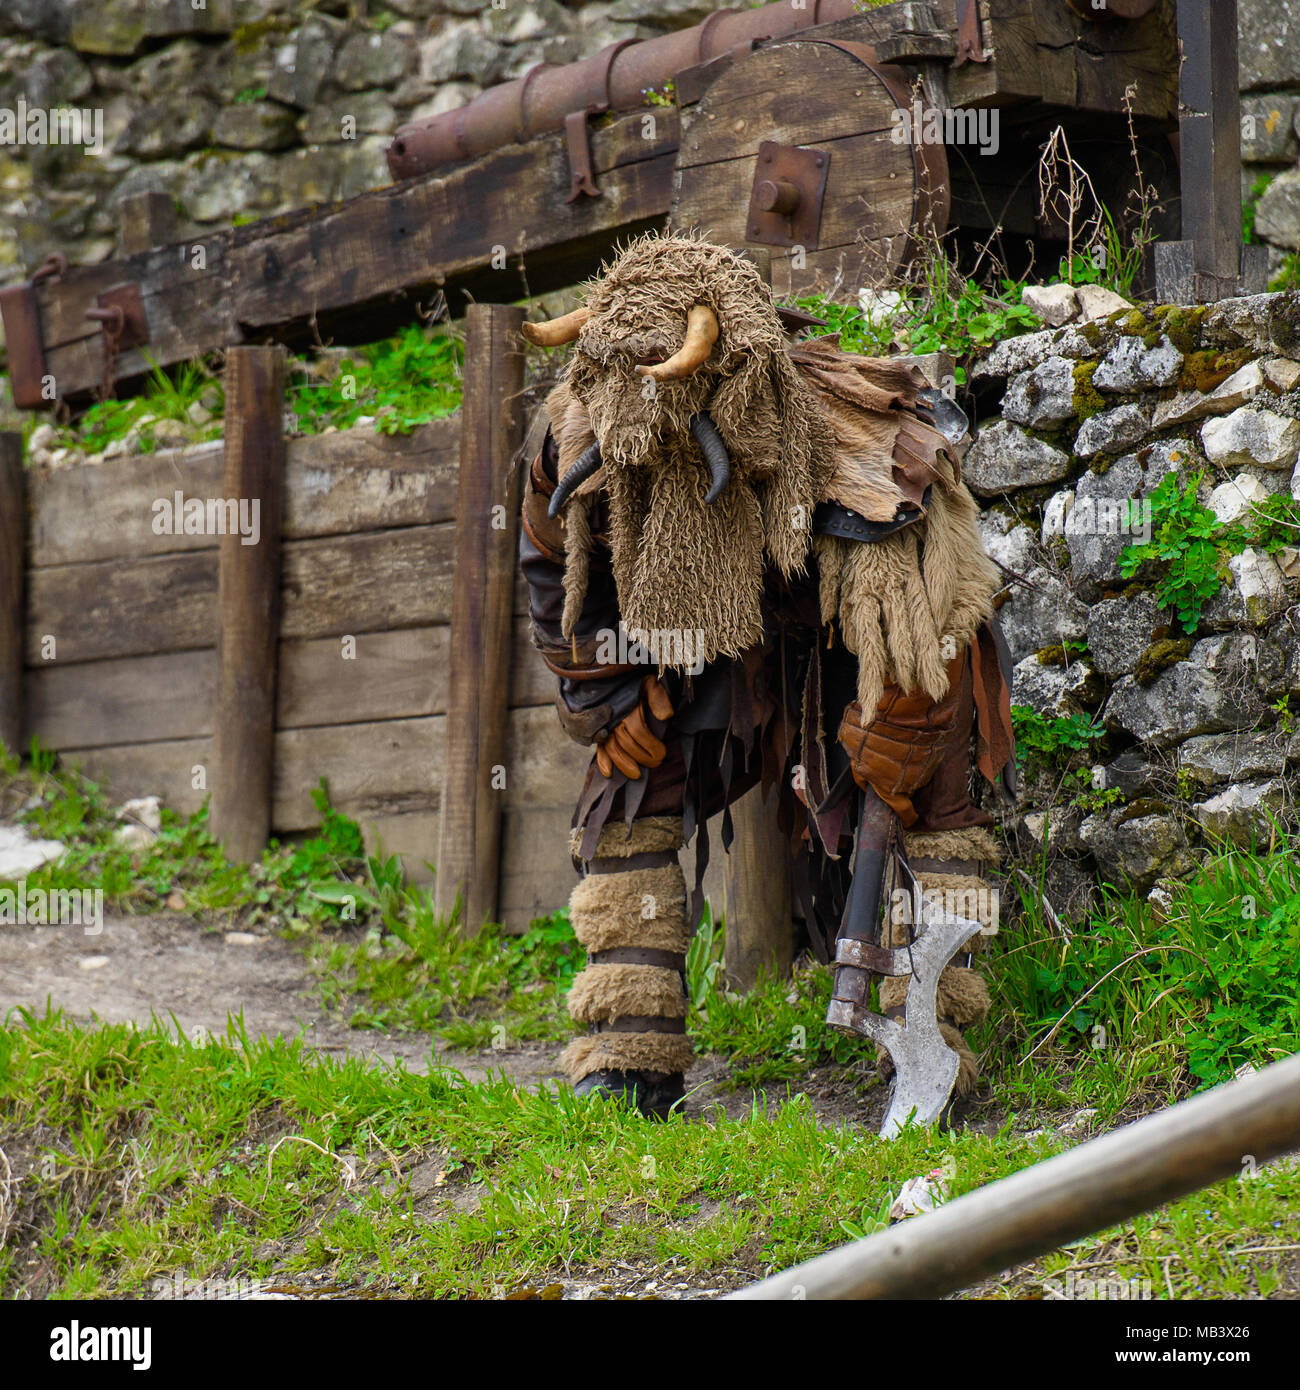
(415, 971)
(410, 970)
(141, 1154)
(401, 382)
(404, 382)
(164, 397)
(295, 883)
(244, 1158)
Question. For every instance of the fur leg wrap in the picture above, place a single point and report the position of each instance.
(972, 843)
(650, 835)
(962, 997)
(640, 907)
(635, 1008)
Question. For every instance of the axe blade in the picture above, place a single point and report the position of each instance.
(925, 1067)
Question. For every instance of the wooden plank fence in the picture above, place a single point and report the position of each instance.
(156, 661)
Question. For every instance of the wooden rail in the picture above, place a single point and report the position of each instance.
(368, 554)
(1096, 1185)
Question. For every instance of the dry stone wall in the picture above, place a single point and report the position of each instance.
(247, 108)
(1269, 65)
(1084, 423)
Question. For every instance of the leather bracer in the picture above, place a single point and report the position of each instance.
(899, 750)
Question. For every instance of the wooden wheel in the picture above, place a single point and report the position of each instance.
(882, 189)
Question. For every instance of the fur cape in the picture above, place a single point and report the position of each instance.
(803, 424)
(905, 605)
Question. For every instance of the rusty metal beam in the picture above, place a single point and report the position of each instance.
(615, 79)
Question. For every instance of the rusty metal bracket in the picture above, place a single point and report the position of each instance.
(582, 177)
(21, 317)
(785, 203)
(970, 44)
(120, 313)
(125, 300)
(691, 83)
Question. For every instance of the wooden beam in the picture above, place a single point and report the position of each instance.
(248, 599)
(759, 935)
(756, 882)
(356, 267)
(1096, 1185)
(13, 535)
(487, 530)
(353, 270)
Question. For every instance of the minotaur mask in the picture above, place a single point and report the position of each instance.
(680, 400)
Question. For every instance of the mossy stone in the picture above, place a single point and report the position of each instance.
(1088, 401)
(1160, 656)
(1182, 325)
(1143, 806)
(1203, 371)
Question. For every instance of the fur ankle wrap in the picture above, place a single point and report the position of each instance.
(612, 909)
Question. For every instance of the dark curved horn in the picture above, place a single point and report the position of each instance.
(586, 465)
(714, 451)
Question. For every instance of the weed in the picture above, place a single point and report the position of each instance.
(1190, 546)
(947, 314)
(1052, 742)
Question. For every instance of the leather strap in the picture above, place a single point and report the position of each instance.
(638, 955)
(632, 1024)
(651, 859)
(832, 519)
(971, 867)
(569, 672)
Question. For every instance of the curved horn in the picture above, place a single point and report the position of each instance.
(701, 334)
(585, 465)
(554, 332)
(714, 451)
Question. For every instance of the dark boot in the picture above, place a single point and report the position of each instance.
(653, 1093)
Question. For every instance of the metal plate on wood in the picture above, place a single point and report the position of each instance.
(785, 202)
(882, 195)
(135, 327)
(22, 325)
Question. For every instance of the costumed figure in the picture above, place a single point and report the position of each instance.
(780, 533)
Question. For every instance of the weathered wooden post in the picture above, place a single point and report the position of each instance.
(249, 602)
(13, 530)
(488, 497)
(146, 220)
(758, 899)
(1208, 263)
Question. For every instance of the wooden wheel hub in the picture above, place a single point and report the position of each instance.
(806, 146)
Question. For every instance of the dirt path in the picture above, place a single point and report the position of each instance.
(141, 968)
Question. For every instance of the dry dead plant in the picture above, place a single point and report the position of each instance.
(1065, 192)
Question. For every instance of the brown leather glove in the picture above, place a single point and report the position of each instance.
(633, 745)
(901, 748)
